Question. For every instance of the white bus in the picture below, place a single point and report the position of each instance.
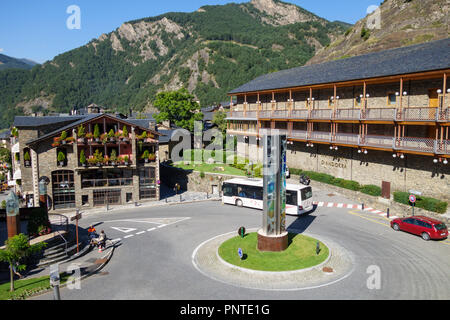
(249, 193)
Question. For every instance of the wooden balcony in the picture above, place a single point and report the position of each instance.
(384, 115)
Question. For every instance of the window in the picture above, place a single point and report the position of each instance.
(392, 99)
(147, 183)
(27, 157)
(109, 196)
(358, 101)
(306, 193)
(291, 197)
(85, 200)
(229, 190)
(63, 189)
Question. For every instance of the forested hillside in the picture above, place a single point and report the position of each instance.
(209, 52)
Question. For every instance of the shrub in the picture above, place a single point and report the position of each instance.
(81, 132)
(96, 131)
(426, 203)
(82, 157)
(202, 174)
(63, 135)
(61, 156)
(371, 189)
(3, 205)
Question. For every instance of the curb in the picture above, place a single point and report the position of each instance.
(289, 272)
(101, 266)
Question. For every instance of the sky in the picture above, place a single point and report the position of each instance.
(41, 30)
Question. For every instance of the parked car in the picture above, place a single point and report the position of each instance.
(425, 227)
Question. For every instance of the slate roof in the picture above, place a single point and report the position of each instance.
(140, 123)
(428, 56)
(23, 121)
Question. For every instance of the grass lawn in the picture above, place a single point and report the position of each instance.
(26, 287)
(205, 167)
(300, 254)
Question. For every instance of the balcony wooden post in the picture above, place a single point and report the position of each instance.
(231, 105)
(245, 105)
(444, 94)
(401, 98)
(273, 103)
(290, 104)
(364, 101)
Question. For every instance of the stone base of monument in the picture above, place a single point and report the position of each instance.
(273, 243)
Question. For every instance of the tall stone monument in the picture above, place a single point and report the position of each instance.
(273, 235)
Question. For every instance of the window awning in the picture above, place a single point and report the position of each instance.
(17, 175)
(15, 148)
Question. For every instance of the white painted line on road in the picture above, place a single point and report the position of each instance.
(151, 229)
(163, 225)
(129, 236)
(140, 232)
(116, 240)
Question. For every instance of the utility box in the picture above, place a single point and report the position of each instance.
(386, 189)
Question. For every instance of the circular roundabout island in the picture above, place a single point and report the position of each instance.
(236, 260)
(302, 252)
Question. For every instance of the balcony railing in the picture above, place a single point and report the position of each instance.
(346, 138)
(320, 136)
(386, 114)
(280, 114)
(416, 144)
(419, 114)
(347, 114)
(300, 114)
(320, 114)
(377, 141)
(298, 134)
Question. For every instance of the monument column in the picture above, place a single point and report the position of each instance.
(273, 235)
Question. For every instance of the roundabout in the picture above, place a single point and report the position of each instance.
(281, 272)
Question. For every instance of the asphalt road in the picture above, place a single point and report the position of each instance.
(156, 263)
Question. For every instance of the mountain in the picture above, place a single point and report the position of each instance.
(398, 23)
(209, 52)
(7, 62)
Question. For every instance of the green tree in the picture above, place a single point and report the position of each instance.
(178, 107)
(96, 131)
(219, 120)
(18, 248)
(82, 157)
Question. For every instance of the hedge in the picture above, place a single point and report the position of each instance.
(371, 190)
(426, 203)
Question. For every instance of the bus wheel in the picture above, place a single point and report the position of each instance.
(239, 203)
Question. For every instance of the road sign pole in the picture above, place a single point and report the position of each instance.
(78, 250)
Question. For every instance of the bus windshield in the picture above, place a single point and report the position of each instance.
(291, 197)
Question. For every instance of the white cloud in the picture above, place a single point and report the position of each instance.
(1, 49)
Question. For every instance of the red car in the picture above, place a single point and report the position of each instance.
(425, 227)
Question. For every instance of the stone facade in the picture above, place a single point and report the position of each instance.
(45, 165)
(414, 172)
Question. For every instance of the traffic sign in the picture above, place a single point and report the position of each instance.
(240, 253)
(412, 198)
(76, 217)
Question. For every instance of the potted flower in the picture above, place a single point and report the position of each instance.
(92, 161)
(143, 136)
(145, 156)
(96, 133)
(82, 158)
(119, 160)
(117, 135)
(113, 157)
(61, 158)
(27, 159)
(63, 137)
(89, 136)
(81, 134)
(106, 160)
(98, 156)
(124, 134)
(152, 157)
(70, 139)
(126, 160)
(111, 135)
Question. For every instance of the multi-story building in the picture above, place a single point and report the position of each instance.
(379, 117)
(86, 160)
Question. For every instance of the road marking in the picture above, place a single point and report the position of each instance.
(128, 236)
(340, 205)
(140, 232)
(357, 214)
(163, 225)
(116, 240)
(151, 229)
(125, 230)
